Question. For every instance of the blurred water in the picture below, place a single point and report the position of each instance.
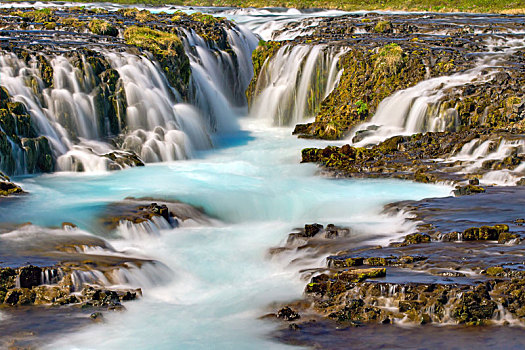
(224, 279)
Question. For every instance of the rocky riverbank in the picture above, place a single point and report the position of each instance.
(433, 100)
(69, 100)
(71, 274)
(462, 265)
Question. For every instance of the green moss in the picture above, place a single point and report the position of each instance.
(383, 27)
(206, 19)
(375, 261)
(389, 59)
(50, 25)
(155, 41)
(417, 238)
(495, 271)
(168, 50)
(485, 233)
(260, 55)
(101, 27)
(37, 16)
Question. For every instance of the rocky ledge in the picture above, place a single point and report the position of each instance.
(68, 274)
(427, 157)
(462, 264)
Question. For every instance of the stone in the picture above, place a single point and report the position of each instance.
(30, 276)
(287, 314)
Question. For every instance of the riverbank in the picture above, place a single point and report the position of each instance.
(474, 6)
(242, 182)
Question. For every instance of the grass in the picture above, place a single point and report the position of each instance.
(389, 59)
(155, 41)
(492, 6)
(101, 27)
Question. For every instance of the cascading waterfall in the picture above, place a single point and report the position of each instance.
(416, 109)
(162, 129)
(474, 154)
(219, 79)
(156, 124)
(294, 82)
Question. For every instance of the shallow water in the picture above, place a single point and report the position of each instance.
(219, 279)
(223, 277)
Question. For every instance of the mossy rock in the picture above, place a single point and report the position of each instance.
(358, 275)
(102, 27)
(383, 27)
(417, 238)
(168, 50)
(485, 233)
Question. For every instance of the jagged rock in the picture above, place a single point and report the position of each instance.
(30, 276)
(123, 159)
(287, 314)
(312, 230)
(468, 190)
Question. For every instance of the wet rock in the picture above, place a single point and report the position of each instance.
(123, 159)
(30, 276)
(416, 238)
(20, 296)
(468, 190)
(8, 188)
(474, 307)
(486, 233)
(287, 314)
(339, 262)
(141, 210)
(312, 230)
(97, 316)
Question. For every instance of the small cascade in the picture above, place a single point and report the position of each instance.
(274, 24)
(414, 110)
(220, 78)
(482, 156)
(66, 112)
(294, 82)
(161, 128)
(85, 118)
(131, 275)
(144, 230)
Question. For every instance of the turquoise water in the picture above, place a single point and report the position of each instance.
(223, 278)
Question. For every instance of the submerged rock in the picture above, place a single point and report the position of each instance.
(145, 210)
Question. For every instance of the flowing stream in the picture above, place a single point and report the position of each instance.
(222, 278)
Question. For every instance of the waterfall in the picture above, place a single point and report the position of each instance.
(85, 120)
(414, 110)
(476, 155)
(418, 108)
(293, 83)
(161, 127)
(219, 79)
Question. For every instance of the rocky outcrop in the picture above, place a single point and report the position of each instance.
(445, 272)
(424, 158)
(19, 140)
(145, 210)
(8, 188)
(26, 286)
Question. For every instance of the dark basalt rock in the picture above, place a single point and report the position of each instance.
(123, 159)
(140, 210)
(288, 314)
(468, 189)
(312, 230)
(30, 276)
(412, 158)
